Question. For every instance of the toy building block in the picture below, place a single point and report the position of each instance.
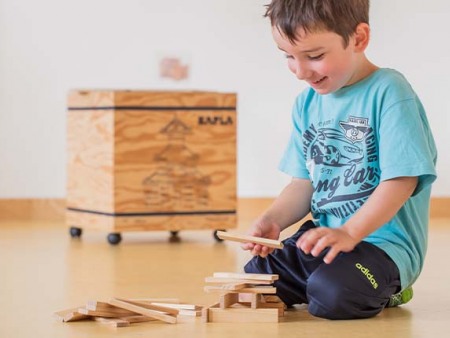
(232, 309)
(137, 319)
(114, 322)
(228, 299)
(69, 315)
(251, 289)
(271, 243)
(255, 277)
(219, 280)
(144, 310)
(239, 313)
(157, 300)
(94, 305)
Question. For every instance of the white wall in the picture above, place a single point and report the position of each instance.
(50, 46)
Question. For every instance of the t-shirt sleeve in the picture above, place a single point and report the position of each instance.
(406, 144)
(293, 161)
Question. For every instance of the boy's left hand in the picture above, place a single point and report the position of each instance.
(314, 241)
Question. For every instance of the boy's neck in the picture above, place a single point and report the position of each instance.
(363, 70)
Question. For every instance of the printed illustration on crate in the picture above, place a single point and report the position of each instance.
(177, 181)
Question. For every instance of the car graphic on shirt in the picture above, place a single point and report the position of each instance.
(332, 148)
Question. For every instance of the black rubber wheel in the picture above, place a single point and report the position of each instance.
(75, 232)
(217, 237)
(114, 238)
(174, 238)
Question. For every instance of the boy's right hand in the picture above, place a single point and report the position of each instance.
(265, 229)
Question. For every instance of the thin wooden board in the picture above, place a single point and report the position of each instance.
(271, 243)
(246, 276)
(69, 315)
(138, 319)
(178, 306)
(261, 289)
(144, 311)
(114, 322)
(216, 280)
(242, 315)
(94, 305)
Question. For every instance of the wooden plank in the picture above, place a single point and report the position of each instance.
(104, 313)
(242, 315)
(156, 300)
(137, 319)
(261, 289)
(228, 299)
(256, 300)
(271, 243)
(146, 312)
(179, 306)
(151, 306)
(272, 299)
(216, 280)
(94, 305)
(234, 286)
(250, 276)
(205, 312)
(114, 322)
(69, 315)
(279, 306)
(190, 313)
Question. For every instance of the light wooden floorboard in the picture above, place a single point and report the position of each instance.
(43, 270)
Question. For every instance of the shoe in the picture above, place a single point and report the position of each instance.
(401, 298)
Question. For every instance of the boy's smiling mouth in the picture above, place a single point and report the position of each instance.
(319, 81)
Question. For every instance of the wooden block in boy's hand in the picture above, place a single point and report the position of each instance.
(271, 243)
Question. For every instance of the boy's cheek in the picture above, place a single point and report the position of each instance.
(292, 67)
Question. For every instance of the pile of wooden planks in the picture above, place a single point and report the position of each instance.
(243, 298)
(123, 312)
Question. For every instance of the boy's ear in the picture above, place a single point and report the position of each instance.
(361, 37)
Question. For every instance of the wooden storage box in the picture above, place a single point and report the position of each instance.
(151, 160)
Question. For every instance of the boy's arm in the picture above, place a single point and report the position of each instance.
(381, 206)
(293, 203)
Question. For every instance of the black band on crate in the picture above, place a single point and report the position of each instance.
(140, 214)
(149, 108)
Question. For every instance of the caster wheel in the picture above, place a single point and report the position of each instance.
(114, 238)
(174, 238)
(75, 232)
(217, 237)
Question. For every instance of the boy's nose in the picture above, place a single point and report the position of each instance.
(302, 72)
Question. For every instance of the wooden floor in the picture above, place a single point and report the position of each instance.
(43, 270)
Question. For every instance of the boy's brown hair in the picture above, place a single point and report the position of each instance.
(339, 16)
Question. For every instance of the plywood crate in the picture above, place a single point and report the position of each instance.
(151, 160)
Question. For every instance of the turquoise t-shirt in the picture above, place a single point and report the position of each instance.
(349, 141)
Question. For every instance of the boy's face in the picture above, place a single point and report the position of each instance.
(320, 59)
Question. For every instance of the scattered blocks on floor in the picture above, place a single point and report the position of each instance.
(241, 298)
(123, 312)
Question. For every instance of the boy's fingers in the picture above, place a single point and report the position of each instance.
(331, 255)
(247, 246)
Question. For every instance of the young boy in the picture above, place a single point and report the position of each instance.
(362, 158)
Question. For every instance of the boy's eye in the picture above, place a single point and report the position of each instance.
(287, 56)
(316, 57)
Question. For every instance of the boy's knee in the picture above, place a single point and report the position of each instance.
(333, 299)
(257, 265)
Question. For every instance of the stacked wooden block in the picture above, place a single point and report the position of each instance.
(123, 312)
(243, 298)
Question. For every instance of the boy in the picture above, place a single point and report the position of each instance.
(362, 158)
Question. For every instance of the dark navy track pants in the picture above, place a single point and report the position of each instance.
(355, 285)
